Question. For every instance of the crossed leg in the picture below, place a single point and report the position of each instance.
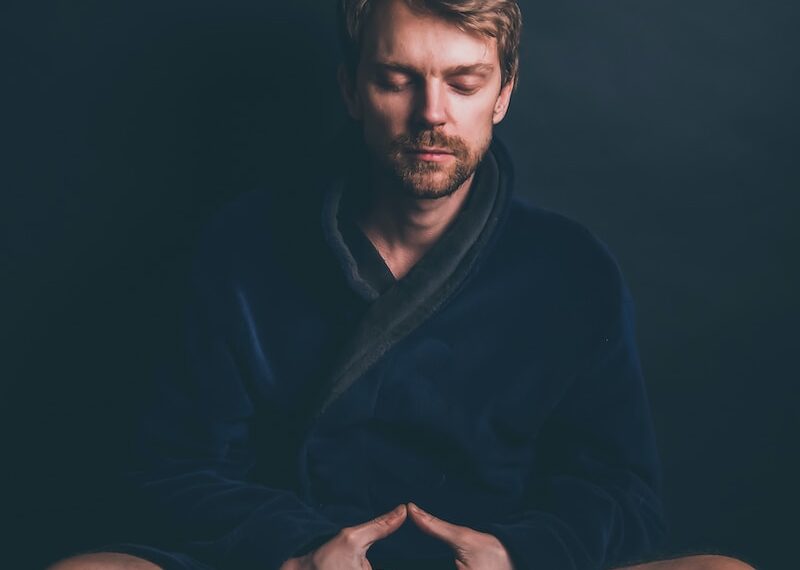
(104, 561)
(114, 561)
(698, 562)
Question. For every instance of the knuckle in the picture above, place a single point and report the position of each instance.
(348, 536)
(383, 520)
(317, 558)
(497, 548)
(461, 537)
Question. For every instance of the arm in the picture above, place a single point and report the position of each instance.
(195, 450)
(192, 479)
(596, 503)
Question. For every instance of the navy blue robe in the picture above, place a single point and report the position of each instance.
(497, 385)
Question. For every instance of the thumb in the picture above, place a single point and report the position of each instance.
(380, 527)
(436, 527)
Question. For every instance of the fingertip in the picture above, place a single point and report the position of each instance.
(397, 515)
(417, 514)
(412, 507)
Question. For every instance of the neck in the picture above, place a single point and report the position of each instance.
(402, 228)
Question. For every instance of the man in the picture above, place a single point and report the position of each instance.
(435, 375)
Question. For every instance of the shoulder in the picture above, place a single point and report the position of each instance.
(555, 238)
(563, 245)
(562, 256)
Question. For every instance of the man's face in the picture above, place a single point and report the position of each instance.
(428, 95)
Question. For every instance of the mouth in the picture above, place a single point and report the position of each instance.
(430, 150)
(430, 154)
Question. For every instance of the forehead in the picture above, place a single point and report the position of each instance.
(399, 34)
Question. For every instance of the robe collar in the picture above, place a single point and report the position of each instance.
(429, 284)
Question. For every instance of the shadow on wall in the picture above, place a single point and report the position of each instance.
(137, 122)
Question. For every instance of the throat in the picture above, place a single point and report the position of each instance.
(401, 260)
(403, 230)
(401, 245)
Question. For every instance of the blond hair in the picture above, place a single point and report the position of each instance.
(498, 19)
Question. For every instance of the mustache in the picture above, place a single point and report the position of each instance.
(430, 139)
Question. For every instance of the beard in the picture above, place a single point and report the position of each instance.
(431, 179)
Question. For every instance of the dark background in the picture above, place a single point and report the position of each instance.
(668, 128)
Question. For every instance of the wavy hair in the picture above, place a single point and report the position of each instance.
(498, 19)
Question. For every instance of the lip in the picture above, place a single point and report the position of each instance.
(431, 154)
(426, 150)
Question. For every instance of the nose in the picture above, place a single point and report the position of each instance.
(431, 104)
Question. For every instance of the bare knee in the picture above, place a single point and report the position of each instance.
(716, 562)
(104, 561)
(699, 562)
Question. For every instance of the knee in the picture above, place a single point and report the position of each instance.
(104, 561)
(697, 562)
(716, 562)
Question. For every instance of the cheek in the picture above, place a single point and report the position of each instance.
(384, 118)
(482, 110)
(385, 108)
(476, 120)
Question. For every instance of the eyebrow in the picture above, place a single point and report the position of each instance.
(466, 69)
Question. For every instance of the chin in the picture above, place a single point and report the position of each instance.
(429, 181)
(431, 187)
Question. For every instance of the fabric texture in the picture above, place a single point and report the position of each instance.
(497, 385)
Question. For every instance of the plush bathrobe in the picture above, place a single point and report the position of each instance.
(497, 385)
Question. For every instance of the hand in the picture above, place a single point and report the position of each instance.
(348, 549)
(474, 550)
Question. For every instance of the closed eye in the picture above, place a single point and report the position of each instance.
(465, 89)
(392, 80)
(394, 87)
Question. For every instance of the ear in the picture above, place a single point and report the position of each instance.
(347, 87)
(503, 101)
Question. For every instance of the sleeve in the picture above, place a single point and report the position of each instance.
(195, 452)
(596, 503)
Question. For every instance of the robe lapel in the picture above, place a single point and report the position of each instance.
(426, 287)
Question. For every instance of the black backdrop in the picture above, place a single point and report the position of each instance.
(667, 128)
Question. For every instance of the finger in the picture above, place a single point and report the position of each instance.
(436, 527)
(379, 527)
